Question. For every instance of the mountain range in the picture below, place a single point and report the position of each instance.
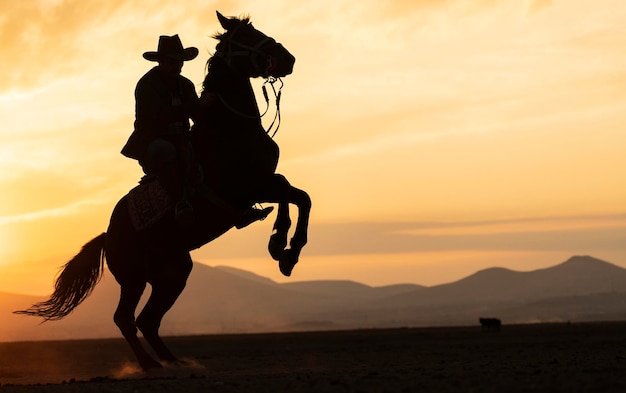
(228, 300)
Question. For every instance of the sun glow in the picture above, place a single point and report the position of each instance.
(464, 121)
(523, 226)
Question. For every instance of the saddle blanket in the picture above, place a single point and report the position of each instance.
(148, 203)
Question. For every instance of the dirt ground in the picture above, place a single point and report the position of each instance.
(587, 357)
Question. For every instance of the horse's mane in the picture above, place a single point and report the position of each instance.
(242, 20)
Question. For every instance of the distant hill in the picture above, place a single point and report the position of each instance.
(579, 275)
(227, 300)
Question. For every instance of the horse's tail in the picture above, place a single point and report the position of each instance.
(74, 284)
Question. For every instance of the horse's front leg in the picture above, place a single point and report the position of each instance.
(278, 240)
(300, 237)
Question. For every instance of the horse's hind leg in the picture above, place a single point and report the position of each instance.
(165, 291)
(124, 318)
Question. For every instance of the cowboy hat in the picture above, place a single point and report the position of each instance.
(171, 47)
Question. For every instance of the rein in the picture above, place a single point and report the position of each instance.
(252, 52)
(277, 94)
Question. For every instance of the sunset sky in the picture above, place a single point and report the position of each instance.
(435, 137)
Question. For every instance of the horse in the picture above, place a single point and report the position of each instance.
(238, 159)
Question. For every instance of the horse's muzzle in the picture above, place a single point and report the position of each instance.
(282, 62)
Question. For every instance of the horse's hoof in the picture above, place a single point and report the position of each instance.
(288, 261)
(173, 363)
(276, 246)
(150, 364)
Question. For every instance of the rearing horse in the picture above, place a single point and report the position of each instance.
(237, 151)
(238, 160)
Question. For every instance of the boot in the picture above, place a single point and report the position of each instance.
(184, 213)
(173, 184)
(252, 215)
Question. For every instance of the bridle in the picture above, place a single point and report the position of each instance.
(253, 52)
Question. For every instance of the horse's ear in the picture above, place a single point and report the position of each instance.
(224, 21)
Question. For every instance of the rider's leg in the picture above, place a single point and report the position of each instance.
(251, 215)
(244, 216)
(162, 160)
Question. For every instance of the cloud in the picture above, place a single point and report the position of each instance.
(569, 236)
(42, 38)
(400, 8)
(47, 39)
(455, 118)
(373, 88)
(575, 234)
(63, 211)
(37, 190)
(538, 5)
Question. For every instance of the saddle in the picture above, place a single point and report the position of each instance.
(148, 202)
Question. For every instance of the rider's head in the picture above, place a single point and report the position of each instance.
(170, 67)
(170, 54)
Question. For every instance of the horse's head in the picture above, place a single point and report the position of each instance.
(251, 52)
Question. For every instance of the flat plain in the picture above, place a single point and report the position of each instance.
(564, 357)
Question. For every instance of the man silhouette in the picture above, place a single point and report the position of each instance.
(165, 101)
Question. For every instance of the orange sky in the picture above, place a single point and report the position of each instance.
(435, 138)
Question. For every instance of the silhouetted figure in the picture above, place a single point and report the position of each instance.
(159, 254)
(490, 323)
(164, 102)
